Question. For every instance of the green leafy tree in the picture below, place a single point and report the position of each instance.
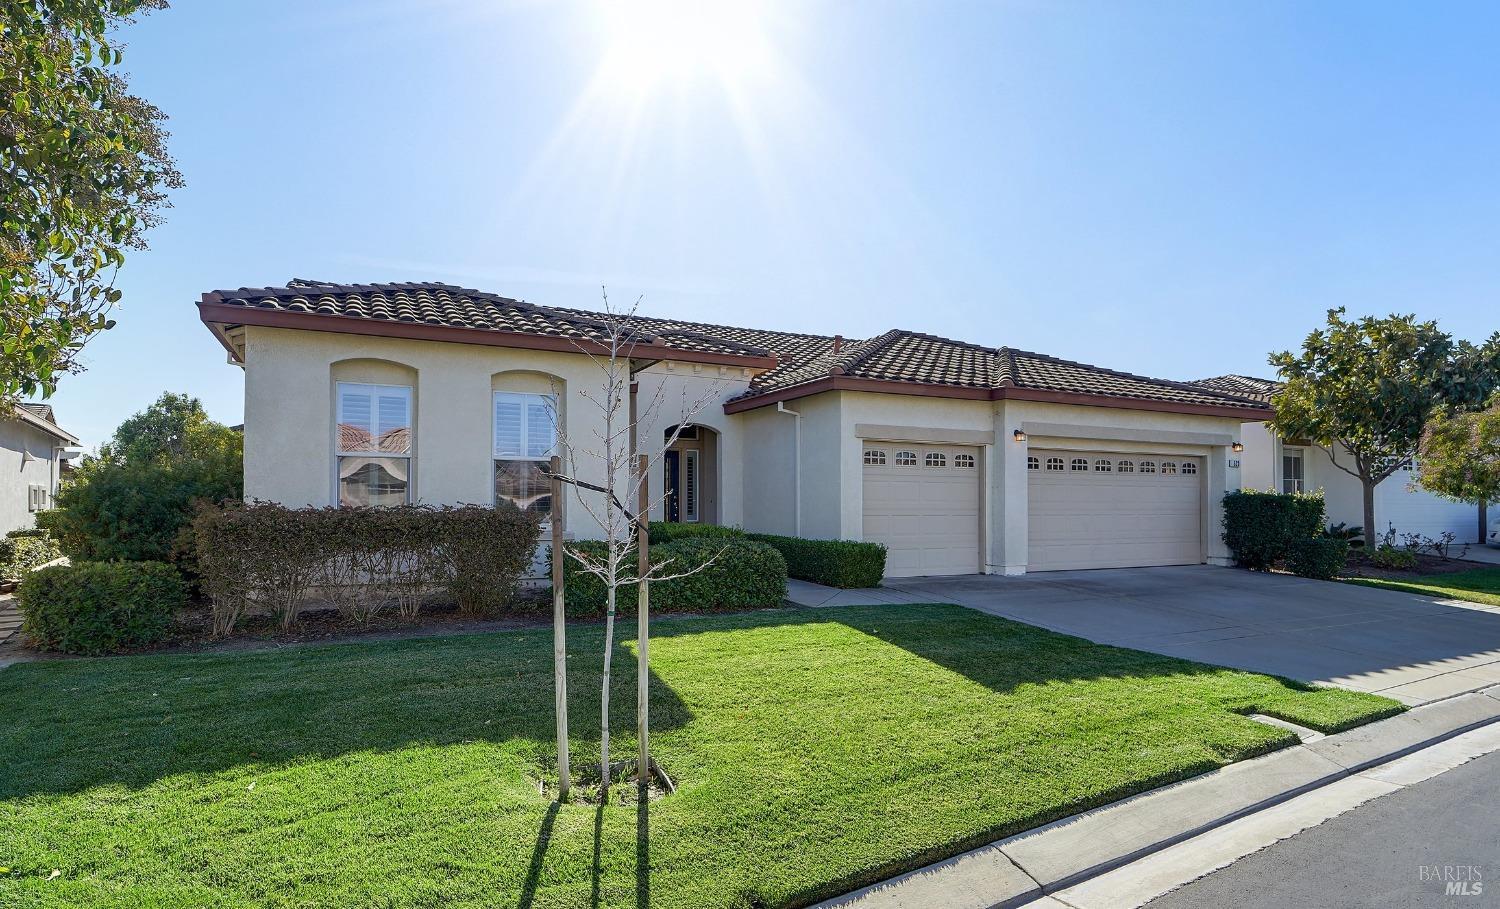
(1364, 389)
(133, 500)
(1460, 457)
(84, 173)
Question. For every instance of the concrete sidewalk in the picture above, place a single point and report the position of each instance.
(1071, 852)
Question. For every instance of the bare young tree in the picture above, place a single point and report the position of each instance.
(615, 452)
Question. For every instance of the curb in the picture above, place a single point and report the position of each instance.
(1064, 853)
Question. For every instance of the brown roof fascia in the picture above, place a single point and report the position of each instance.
(212, 313)
(1005, 392)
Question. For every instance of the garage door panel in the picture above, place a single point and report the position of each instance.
(1106, 518)
(927, 517)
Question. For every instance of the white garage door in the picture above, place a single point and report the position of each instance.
(922, 502)
(1093, 510)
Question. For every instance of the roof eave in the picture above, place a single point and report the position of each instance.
(218, 315)
(1005, 392)
(51, 429)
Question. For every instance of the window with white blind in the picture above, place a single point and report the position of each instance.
(373, 444)
(525, 438)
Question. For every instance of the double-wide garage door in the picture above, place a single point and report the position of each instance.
(1093, 510)
(922, 502)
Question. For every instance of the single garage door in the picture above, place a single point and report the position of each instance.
(1093, 510)
(922, 502)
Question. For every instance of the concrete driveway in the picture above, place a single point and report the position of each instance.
(1408, 647)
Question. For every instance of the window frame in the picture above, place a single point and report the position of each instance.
(875, 457)
(906, 458)
(339, 453)
(1292, 485)
(935, 459)
(964, 461)
(525, 399)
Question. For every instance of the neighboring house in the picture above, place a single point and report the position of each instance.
(31, 459)
(960, 458)
(1269, 462)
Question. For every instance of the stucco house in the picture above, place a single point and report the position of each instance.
(960, 458)
(32, 450)
(1270, 462)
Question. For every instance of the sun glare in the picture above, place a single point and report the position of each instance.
(655, 43)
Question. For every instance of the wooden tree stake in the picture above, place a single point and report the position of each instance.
(559, 630)
(643, 625)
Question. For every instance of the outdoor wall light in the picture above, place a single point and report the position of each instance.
(1238, 446)
(1019, 436)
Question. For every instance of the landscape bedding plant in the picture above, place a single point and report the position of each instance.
(815, 751)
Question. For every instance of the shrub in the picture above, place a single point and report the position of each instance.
(266, 555)
(667, 532)
(740, 574)
(135, 511)
(92, 608)
(23, 550)
(1318, 557)
(1260, 528)
(1393, 558)
(835, 563)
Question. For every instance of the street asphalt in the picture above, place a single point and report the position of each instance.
(1433, 844)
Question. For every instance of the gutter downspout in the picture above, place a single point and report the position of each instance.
(796, 465)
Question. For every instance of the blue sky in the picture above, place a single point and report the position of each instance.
(1168, 188)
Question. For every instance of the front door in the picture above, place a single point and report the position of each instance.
(673, 466)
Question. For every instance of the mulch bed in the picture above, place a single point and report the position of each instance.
(1360, 566)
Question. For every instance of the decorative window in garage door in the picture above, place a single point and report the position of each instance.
(1148, 467)
(1125, 466)
(936, 459)
(906, 459)
(1189, 467)
(1054, 463)
(1033, 464)
(1104, 465)
(1080, 463)
(874, 457)
(963, 461)
(1169, 467)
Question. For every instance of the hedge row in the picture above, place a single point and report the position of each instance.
(727, 572)
(834, 563)
(92, 608)
(1267, 529)
(360, 559)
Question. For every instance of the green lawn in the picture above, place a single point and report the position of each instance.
(1481, 585)
(815, 751)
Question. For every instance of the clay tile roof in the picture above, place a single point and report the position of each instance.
(449, 306)
(1242, 386)
(896, 356)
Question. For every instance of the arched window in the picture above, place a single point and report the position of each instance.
(906, 459)
(964, 461)
(874, 457)
(1189, 467)
(936, 459)
(1104, 465)
(1033, 464)
(1169, 467)
(1080, 463)
(1125, 466)
(1054, 463)
(1148, 467)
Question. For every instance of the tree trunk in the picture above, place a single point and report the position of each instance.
(1369, 499)
(559, 633)
(643, 632)
(609, 650)
(1484, 521)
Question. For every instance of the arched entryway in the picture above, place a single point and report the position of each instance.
(690, 470)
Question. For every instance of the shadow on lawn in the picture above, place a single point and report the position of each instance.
(133, 720)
